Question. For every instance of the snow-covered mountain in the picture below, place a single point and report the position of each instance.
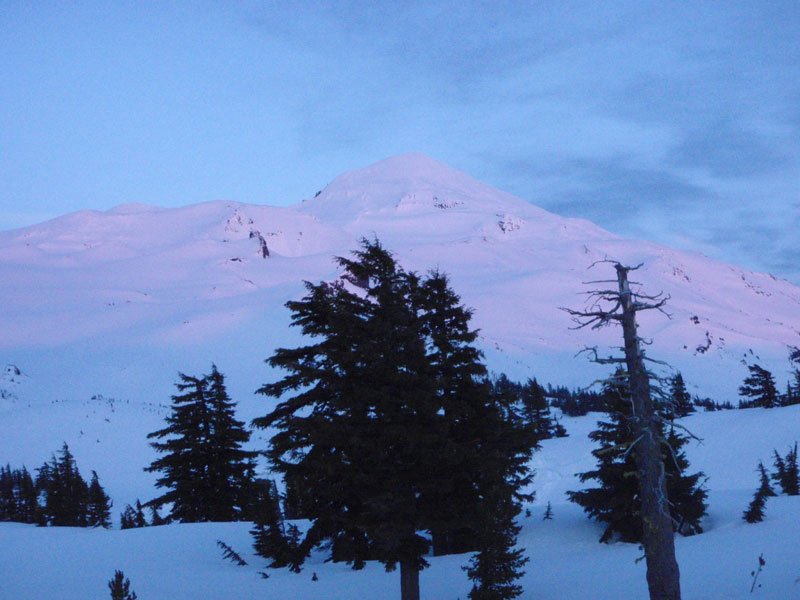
(99, 310)
(116, 302)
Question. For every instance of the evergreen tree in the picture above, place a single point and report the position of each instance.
(616, 502)
(496, 567)
(759, 387)
(120, 587)
(791, 486)
(755, 511)
(139, 519)
(155, 518)
(536, 412)
(793, 391)
(8, 506)
(548, 513)
(470, 410)
(295, 498)
(270, 537)
(66, 493)
(98, 507)
(786, 472)
(127, 518)
(203, 466)
(386, 401)
(18, 496)
(232, 468)
(28, 508)
(681, 399)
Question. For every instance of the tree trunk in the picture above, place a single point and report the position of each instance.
(663, 577)
(409, 582)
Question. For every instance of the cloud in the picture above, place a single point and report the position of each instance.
(726, 149)
(611, 190)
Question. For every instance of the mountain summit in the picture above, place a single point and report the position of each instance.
(116, 302)
(407, 179)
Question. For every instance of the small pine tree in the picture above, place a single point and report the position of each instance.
(559, 430)
(294, 498)
(536, 411)
(155, 518)
(203, 467)
(231, 554)
(120, 587)
(792, 486)
(680, 397)
(616, 502)
(548, 513)
(786, 472)
(496, 566)
(127, 518)
(759, 387)
(139, 518)
(98, 507)
(271, 538)
(8, 503)
(28, 508)
(755, 511)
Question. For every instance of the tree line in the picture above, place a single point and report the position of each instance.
(58, 496)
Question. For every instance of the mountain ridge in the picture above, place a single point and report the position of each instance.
(140, 287)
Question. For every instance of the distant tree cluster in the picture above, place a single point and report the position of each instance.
(760, 391)
(19, 498)
(710, 405)
(576, 403)
(133, 517)
(786, 476)
(59, 496)
(531, 403)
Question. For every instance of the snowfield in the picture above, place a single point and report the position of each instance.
(182, 561)
(116, 302)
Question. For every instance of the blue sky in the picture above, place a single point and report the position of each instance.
(677, 122)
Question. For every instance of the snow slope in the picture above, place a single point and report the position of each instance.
(182, 562)
(115, 303)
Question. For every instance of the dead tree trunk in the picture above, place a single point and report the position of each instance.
(663, 577)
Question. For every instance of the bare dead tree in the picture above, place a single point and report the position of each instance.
(619, 305)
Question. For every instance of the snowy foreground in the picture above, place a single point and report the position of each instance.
(182, 562)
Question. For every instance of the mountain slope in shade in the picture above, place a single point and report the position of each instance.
(116, 302)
